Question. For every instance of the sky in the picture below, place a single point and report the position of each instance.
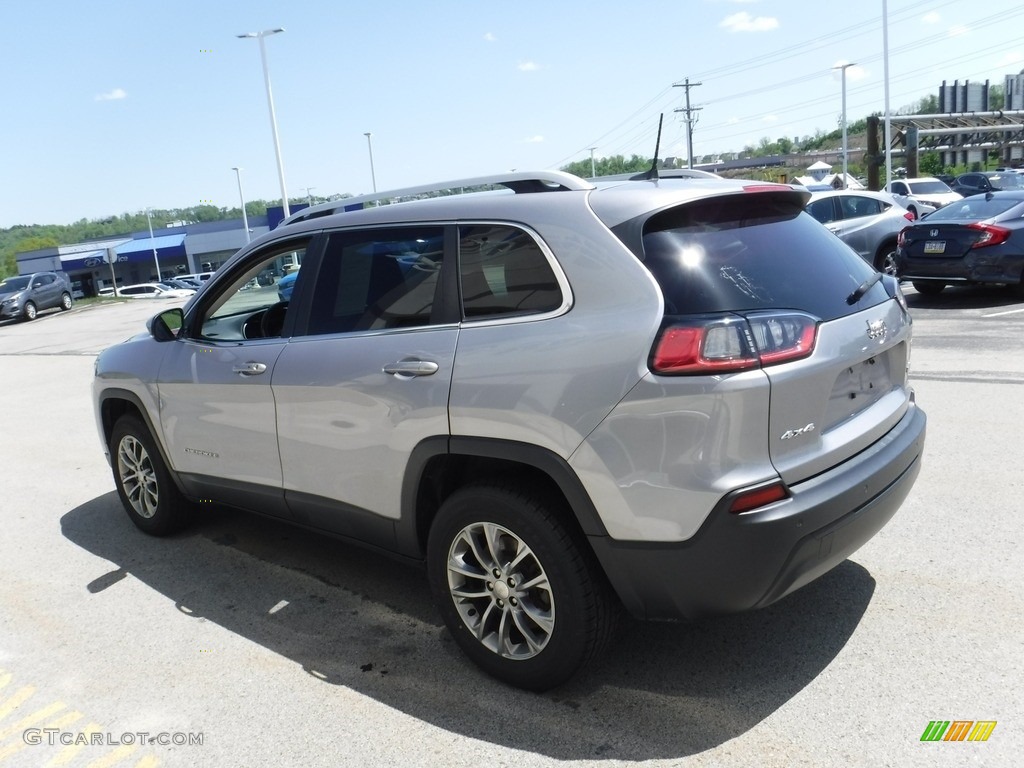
(115, 106)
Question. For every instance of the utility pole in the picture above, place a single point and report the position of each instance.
(690, 120)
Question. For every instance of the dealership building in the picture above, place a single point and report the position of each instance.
(133, 258)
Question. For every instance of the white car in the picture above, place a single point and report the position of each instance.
(153, 291)
(914, 194)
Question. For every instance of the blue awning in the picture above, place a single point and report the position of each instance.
(167, 246)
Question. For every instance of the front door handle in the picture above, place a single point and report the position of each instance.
(251, 368)
(411, 368)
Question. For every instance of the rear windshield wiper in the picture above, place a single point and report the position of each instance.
(863, 288)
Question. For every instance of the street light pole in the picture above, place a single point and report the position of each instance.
(270, 103)
(593, 171)
(152, 243)
(241, 197)
(842, 68)
(369, 146)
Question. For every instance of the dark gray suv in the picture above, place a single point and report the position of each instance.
(27, 295)
(680, 397)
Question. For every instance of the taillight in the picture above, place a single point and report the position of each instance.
(901, 238)
(990, 234)
(731, 343)
(909, 216)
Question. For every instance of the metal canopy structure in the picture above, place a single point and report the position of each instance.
(961, 130)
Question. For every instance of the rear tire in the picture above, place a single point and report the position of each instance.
(928, 288)
(519, 590)
(147, 491)
(65, 302)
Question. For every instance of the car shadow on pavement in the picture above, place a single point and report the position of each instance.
(350, 617)
(965, 297)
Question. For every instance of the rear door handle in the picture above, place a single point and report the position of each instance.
(411, 368)
(251, 368)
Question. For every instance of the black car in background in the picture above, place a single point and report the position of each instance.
(977, 240)
(986, 181)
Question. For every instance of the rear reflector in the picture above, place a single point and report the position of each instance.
(731, 343)
(759, 497)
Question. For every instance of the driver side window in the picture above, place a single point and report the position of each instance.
(255, 303)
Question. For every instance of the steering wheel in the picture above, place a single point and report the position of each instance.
(272, 320)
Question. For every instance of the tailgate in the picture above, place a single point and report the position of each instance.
(844, 397)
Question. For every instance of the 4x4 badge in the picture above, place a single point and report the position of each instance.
(876, 329)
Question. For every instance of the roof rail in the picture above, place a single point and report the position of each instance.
(521, 182)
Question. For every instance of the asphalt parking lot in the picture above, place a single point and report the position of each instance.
(244, 642)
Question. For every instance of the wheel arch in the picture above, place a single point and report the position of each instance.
(438, 466)
(115, 403)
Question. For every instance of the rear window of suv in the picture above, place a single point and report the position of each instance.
(751, 252)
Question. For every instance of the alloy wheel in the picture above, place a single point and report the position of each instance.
(138, 477)
(501, 591)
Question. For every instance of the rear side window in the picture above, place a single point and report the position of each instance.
(751, 252)
(856, 206)
(376, 279)
(504, 273)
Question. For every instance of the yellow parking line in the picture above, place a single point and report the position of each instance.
(32, 719)
(61, 723)
(20, 697)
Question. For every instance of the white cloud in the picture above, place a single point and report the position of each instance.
(534, 140)
(770, 119)
(490, 38)
(744, 22)
(1010, 59)
(114, 95)
(957, 30)
(931, 18)
(528, 66)
(733, 121)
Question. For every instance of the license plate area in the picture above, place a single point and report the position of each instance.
(935, 246)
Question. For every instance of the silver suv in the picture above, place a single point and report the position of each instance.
(674, 396)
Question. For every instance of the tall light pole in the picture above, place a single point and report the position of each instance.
(888, 120)
(369, 146)
(842, 68)
(593, 171)
(152, 243)
(270, 102)
(241, 197)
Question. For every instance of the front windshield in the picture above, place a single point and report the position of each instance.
(935, 187)
(12, 284)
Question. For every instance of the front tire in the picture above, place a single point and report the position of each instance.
(65, 302)
(518, 589)
(149, 495)
(29, 312)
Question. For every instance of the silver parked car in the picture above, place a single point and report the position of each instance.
(677, 397)
(868, 222)
(25, 296)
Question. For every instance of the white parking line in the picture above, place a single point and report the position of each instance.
(1008, 312)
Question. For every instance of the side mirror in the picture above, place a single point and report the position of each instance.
(166, 325)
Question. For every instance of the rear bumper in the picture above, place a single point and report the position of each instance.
(976, 267)
(738, 562)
